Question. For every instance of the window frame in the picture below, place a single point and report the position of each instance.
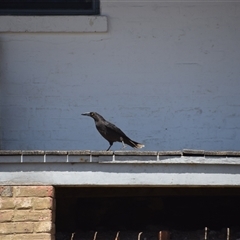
(52, 12)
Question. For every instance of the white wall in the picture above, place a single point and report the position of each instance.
(168, 74)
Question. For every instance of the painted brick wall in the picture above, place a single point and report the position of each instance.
(27, 213)
(166, 72)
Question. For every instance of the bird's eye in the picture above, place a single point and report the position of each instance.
(91, 114)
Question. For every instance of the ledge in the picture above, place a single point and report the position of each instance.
(121, 157)
(53, 24)
(120, 168)
(187, 168)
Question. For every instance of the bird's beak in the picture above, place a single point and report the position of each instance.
(86, 114)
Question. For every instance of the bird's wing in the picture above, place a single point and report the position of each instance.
(110, 132)
(113, 134)
(116, 134)
(113, 128)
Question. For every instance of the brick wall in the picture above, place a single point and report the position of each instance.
(27, 213)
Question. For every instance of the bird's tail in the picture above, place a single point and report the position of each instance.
(133, 143)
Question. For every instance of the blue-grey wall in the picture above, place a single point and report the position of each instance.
(168, 74)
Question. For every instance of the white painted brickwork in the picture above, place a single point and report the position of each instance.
(167, 73)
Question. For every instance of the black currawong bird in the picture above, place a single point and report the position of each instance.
(110, 132)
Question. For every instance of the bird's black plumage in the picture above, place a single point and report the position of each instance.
(111, 132)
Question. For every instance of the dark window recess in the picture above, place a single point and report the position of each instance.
(143, 213)
(49, 7)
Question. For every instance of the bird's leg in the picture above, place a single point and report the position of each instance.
(123, 145)
(109, 146)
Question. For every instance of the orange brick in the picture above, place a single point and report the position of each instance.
(6, 216)
(25, 227)
(6, 228)
(33, 191)
(11, 228)
(6, 191)
(6, 237)
(44, 227)
(7, 203)
(43, 203)
(23, 203)
(41, 236)
(32, 215)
